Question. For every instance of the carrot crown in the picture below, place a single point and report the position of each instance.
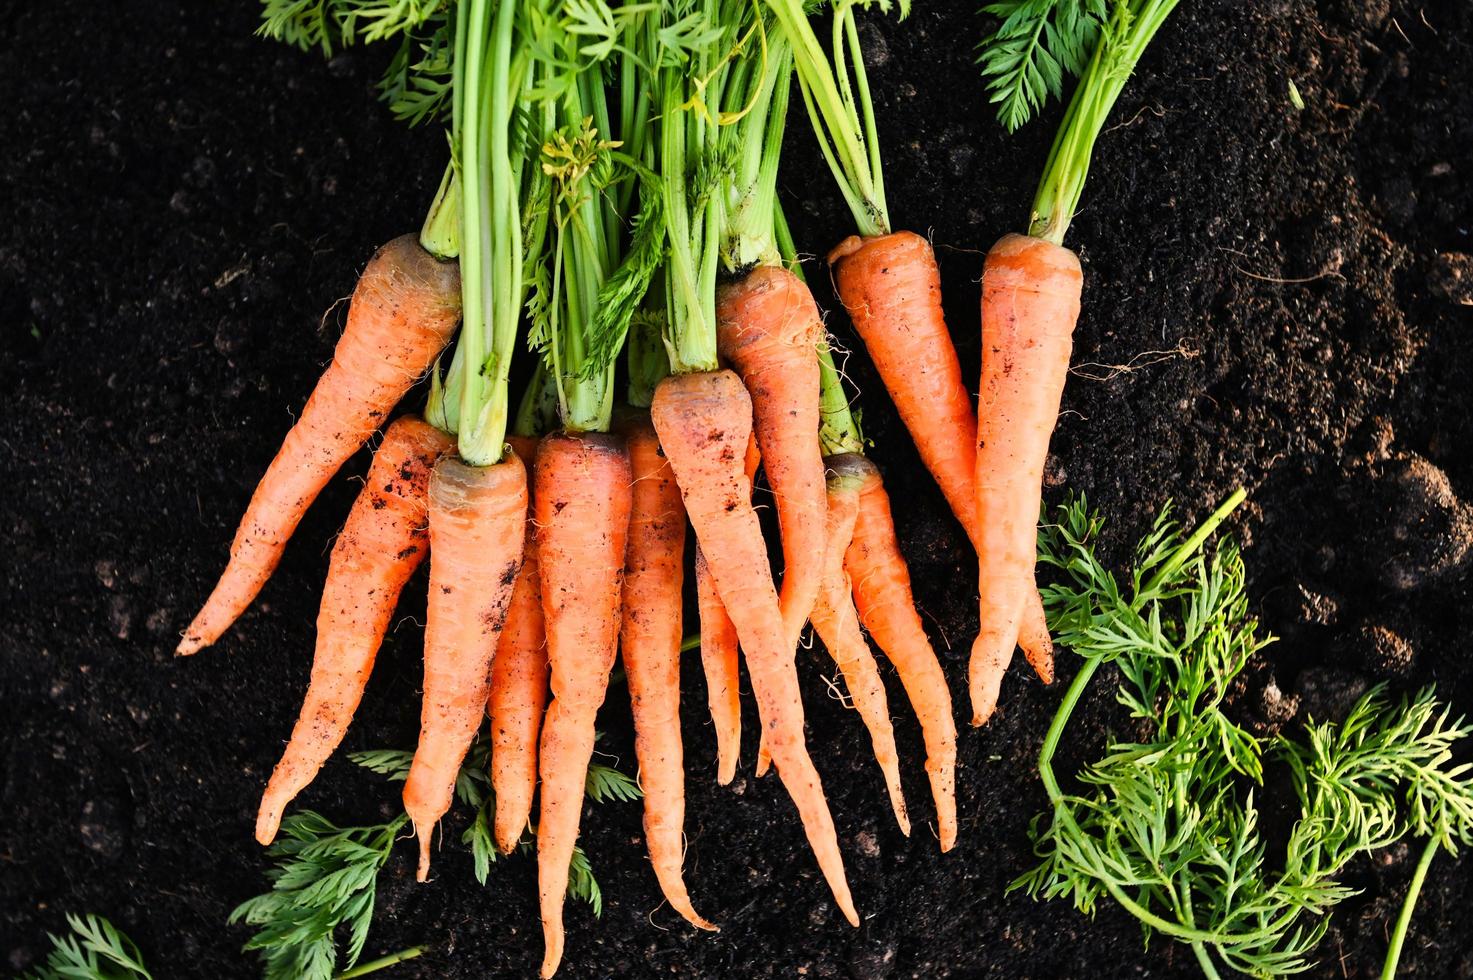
(1122, 41)
(758, 136)
(836, 93)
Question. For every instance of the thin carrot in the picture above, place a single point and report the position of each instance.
(582, 502)
(650, 640)
(720, 658)
(382, 543)
(477, 516)
(837, 625)
(1030, 303)
(768, 328)
(518, 690)
(704, 420)
(883, 599)
(403, 312)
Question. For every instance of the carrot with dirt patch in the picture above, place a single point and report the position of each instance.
(403, 312)
(478, 497)
(382, 544)
(1031, 288)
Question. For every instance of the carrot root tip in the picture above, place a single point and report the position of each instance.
(422, 873)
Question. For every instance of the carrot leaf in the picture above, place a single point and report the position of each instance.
(1166, 824)
(1035, 45)
(604, 783)
(94, 950)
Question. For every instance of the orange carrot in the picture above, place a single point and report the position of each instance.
(768, 329)
(477, 516)
(719, 655)
(382, 543)
(719, 661)
(883, 599)
(704, 420)
(404, 310)
(1030, 303)
(891, 287)
(582, 501)
(837, 625)
(650, 640)
(518, 690)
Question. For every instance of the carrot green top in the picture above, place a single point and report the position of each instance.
(1122, 41)
(759, 99)
(599, 263)
(709, 57)
(836, 93)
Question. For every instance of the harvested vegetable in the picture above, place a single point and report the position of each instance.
(1031, 289)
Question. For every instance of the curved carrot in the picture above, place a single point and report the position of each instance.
(704, 421)
(836, 623)
(518, 690)
(382, 543)
(477, 516)
(650, 640)
(768, 329)
(1030, 303)
(891, 287)
(880, 583)
(404, 310)
(720, 655)
(582, 500)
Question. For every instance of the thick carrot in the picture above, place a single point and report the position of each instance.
(382, 543)
(650, 640)
(704, 420)
(518, 690)
(477, 516)
(768, 329)
(582, 500)
(720, 656)
(836, 623)
(880, 583)
(891, 287)
(403, 312)
(1030, 303)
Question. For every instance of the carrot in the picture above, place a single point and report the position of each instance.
(719, 662)
(650, 640)
(403, 312)
(704, 420)
(891, 288)
(767, 328)
(1030, 303)
(837, 625)
(886, 607)
(518, 690)
(477, 515)
(381, 545)
(582, 502)
(719, 654)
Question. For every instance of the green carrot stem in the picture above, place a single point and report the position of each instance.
(440, 235)
(1122, 41)
(383, 962)
(1408, 906)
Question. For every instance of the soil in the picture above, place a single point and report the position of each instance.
(1277, 297)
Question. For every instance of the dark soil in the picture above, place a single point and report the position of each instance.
(1277, 297)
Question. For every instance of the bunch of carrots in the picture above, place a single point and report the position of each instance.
(610, 215)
